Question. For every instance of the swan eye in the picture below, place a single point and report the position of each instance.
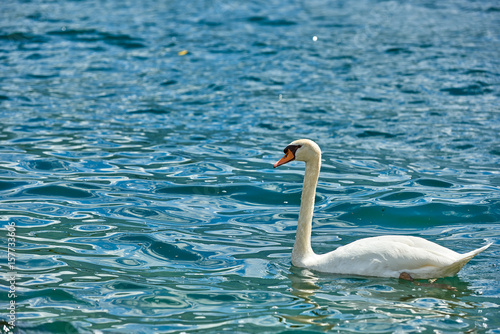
(292, 148)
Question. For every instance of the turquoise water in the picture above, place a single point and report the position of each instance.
(136, 150)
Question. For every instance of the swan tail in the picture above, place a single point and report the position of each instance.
(470, 255)
(455, 267)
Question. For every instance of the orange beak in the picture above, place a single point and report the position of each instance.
(287, 158)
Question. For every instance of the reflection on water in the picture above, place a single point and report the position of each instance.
(375, 304)
(304, 287)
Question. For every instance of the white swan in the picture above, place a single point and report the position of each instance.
(385, 256)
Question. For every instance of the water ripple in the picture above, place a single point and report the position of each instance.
(136, 152)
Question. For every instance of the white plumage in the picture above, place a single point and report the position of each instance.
(384, 256)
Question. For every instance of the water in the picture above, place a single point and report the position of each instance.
(136, 150)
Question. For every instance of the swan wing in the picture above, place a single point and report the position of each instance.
(389, 256)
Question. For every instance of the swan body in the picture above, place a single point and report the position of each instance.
(383, 256)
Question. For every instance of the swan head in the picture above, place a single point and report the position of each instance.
(301, 150)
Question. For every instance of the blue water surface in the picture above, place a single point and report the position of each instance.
(136, 149)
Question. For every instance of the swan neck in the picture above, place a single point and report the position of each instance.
(302, 247)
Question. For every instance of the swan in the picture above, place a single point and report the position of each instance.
(397, 256)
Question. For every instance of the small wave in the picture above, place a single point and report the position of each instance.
(159, 249)
(9, 185)
(434, 183)
(23, 37)
(266, 21)
(65, 191)
(94, 35)
(474, 89)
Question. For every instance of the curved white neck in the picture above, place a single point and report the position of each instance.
(302, 247)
